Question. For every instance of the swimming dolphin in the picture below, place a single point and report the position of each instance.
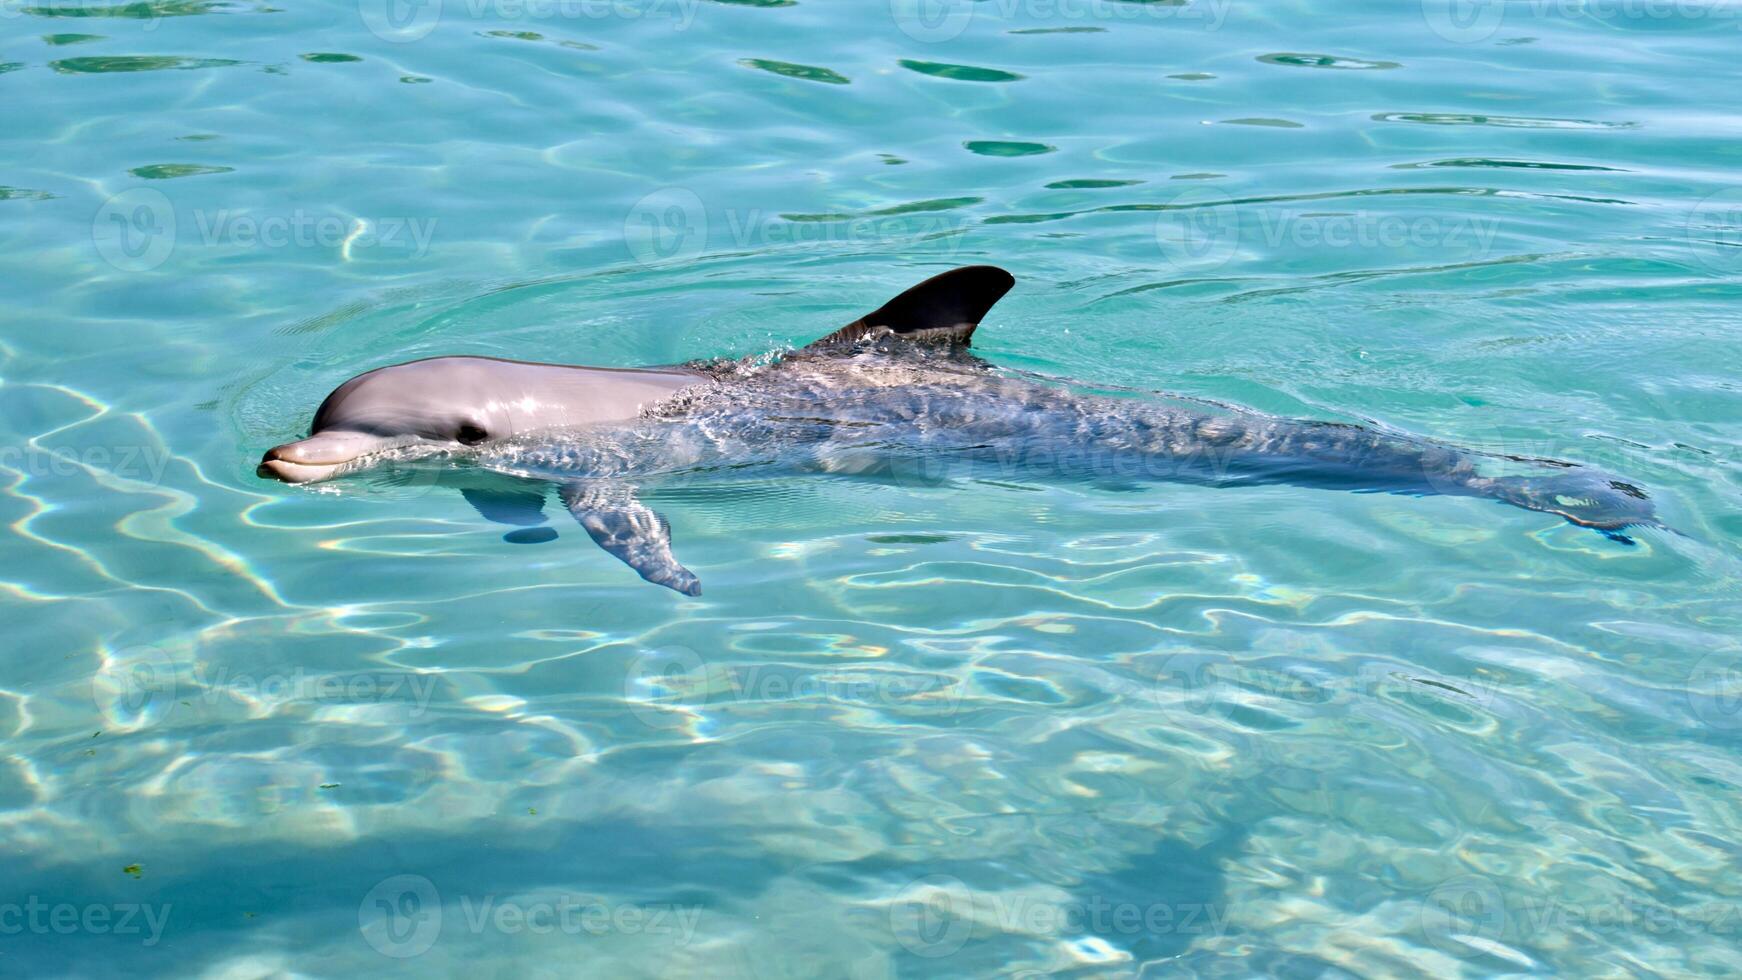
(895, 394)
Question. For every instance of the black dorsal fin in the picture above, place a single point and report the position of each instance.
(944, 309)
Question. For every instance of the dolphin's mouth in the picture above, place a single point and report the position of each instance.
(337, 452)
(274, 467)
(293, 464)
(325, 455)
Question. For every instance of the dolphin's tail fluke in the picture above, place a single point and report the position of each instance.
(1588, 498)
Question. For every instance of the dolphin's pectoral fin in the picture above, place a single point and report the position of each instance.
(630, 530)
(522, 508)
(944, 309)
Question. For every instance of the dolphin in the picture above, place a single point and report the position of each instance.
(895, 395)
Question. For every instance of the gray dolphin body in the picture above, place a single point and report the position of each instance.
(895, 395)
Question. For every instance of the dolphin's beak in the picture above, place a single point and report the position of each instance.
(319, 457)
(274, 467)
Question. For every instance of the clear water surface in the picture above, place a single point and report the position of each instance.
(252, 730)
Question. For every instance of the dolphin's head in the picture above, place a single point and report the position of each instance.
(407, 410)
(450, 404)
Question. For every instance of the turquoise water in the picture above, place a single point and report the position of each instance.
(255, 730)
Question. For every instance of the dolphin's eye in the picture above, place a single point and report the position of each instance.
(471, 435)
